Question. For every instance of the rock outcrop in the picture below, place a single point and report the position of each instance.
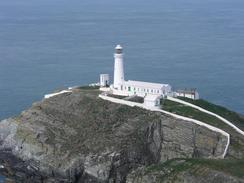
(77, 137)
(181, 171)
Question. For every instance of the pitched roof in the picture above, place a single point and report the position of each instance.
(187, 91)
(145, 84)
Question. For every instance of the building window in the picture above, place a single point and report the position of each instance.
(129, 89)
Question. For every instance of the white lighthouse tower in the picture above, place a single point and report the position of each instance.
(118, 67)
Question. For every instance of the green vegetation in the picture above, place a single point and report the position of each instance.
(235, 118)
(137, 99)
(116, 96)
(88, 87)
(237, 140)
(196, 166)
(91, 91)
(190, 112)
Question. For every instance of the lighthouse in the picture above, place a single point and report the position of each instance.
(153, 91)
(118, 67)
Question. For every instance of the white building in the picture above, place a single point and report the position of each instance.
(188, 93)
(152, 100)
(142, 89)
(128, 88)
(104, 80)
(151, 92)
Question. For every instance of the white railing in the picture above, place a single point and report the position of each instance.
(58, 93)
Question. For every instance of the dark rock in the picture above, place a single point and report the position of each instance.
(78, 137)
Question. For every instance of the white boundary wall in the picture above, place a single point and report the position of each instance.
(132, 104)
(58, 93)
(208, 112)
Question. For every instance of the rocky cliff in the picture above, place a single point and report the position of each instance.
(78, 137)
(187, 171)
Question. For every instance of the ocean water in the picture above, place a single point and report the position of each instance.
(47, 45)
(51, 44)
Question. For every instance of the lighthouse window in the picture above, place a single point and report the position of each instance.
(118, 51)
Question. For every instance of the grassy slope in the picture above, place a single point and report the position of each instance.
(237, 140)
(196, 167)
(235, 118)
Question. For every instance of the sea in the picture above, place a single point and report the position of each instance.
(47, 45)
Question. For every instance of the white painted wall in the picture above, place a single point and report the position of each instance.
(152, 102)
(118, 68)
(142, 91)
(104, 79)
(58, 93)
(188, 95)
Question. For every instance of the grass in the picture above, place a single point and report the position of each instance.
(88, 87)
(237, 140)
(234, 117)
(190, 112)
(132, 99)
(137, 99)
(175, 166)
(116, 96)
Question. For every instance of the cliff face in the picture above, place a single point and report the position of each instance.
(182, 170)
(79, 137)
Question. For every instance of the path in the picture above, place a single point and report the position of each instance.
(58, 93)
(208, 112)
